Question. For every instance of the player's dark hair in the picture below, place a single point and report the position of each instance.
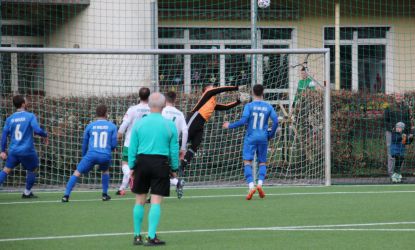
(18, 101)
(258, 90)
(101, 110)
(144, 93)
(170, 96)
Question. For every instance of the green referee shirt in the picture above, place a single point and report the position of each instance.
(154, 135)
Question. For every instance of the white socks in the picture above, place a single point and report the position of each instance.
(174, 181)
(251, 185)
(126, 177)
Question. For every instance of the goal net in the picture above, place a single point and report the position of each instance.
(74, 84)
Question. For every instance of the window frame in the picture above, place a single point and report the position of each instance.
(387, 42)
(187, 42)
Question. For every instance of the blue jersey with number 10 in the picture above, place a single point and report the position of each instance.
(99, 137)
(255, 116)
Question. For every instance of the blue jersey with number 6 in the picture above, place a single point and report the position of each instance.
(255, 116)
(20, 126)
(99, 137)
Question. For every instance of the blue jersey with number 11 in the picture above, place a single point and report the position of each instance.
(255, 116)
(100, 137)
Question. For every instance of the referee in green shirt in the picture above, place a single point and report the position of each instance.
(152, 154)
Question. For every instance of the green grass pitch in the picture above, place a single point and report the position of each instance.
(336, 217)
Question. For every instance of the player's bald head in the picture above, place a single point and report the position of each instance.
(156, 102)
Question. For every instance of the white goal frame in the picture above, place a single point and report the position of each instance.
(155, 52)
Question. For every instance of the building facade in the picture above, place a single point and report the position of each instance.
(376, 44)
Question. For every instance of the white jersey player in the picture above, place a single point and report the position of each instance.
(134, 113)
(172, 113)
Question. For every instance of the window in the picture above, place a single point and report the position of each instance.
(275, 73)
(372, 68)
(30, 72)
(345, 66)
(362, 57)
(238, 67)
(225, 69)
(276, 34)
(6, 71)
(205, 68)
(345, 33)
(219, 34)
(372, 32)
(21, 30)
(171, 67)
(171, 32)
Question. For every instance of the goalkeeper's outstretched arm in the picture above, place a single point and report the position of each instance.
(211, 93)
(221, 107)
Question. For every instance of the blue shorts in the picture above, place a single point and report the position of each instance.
(28, 161)
(261, 150)
(90, 160)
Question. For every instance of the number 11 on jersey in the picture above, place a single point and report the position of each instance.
(261, 120)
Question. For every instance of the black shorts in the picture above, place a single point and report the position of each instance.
(151, 171)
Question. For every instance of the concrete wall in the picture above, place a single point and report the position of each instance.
(104, 24)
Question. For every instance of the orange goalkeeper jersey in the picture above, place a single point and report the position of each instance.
(207, 103)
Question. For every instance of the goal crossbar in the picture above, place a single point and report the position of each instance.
(161, 51)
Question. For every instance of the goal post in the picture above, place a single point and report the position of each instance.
(75, 80)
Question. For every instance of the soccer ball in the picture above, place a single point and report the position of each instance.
(264, 3)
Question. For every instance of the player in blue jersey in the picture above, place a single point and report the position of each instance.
(100, 138)
(255, 116)
(21, 126)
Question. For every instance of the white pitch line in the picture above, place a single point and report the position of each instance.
(215, 196)
(277, 186)
(285, 228)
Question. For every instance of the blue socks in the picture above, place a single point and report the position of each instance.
(71, 183)
(3, 177)
(138, 214)
(153, 220)
(248, 174)
(262, 172)
(105, 183)
(30, 179)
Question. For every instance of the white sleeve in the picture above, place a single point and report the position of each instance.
(185, 133)
(126, 121)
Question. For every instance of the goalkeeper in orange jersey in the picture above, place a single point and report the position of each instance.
(201, 113)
